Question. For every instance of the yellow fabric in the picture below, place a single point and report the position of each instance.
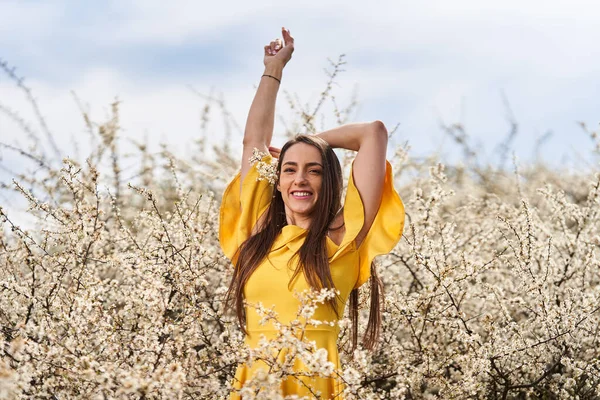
(270, 282)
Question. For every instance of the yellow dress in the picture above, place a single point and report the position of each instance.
(270, 283)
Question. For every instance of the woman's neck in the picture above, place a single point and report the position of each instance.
(298, 220)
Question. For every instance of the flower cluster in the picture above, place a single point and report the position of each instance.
(266, 171)
(278, 355)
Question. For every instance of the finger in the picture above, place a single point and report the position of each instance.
(287, 37)
(273, 47)
(267, 50)
(275, 152)
(270, 48)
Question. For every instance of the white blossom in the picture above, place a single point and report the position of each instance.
(117, 290)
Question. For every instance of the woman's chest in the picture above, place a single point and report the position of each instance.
(274, 280)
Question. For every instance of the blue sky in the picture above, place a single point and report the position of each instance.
(412, 63)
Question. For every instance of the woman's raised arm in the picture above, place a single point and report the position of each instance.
(368, 171)
(261, 117)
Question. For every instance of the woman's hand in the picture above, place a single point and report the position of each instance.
(275, 152)
(276, 52)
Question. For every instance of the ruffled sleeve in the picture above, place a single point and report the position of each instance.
(240, 212)
(383, 235)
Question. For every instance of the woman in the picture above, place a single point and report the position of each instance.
(294, 235)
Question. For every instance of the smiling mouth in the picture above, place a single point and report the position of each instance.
(301, 194)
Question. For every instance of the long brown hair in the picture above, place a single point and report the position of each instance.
(312, 255)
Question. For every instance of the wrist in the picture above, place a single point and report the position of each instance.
(275, 69)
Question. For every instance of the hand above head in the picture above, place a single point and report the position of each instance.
(275, 151)
(276, 52)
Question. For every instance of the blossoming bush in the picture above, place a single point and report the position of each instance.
(117, 290)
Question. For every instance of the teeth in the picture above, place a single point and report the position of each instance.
(301, 194)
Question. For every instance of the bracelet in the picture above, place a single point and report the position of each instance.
(271, 76)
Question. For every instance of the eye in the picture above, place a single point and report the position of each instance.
(315, 171)
(288, 170)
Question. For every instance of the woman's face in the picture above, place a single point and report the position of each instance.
(300, 180)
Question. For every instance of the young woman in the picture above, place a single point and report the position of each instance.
(294, 234)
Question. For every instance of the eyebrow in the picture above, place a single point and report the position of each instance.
(310, 164)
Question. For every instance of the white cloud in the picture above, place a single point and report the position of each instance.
(23, 21)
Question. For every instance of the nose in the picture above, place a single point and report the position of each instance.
(300, 178)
